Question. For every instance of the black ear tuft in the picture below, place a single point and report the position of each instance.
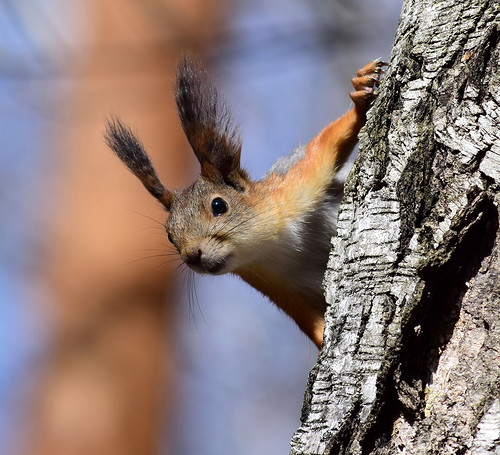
(131, 152)
(206, 120)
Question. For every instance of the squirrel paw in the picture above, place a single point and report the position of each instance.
(366, 84)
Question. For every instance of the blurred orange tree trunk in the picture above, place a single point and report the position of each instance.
(106, 383)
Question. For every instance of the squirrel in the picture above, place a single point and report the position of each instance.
(274, 233)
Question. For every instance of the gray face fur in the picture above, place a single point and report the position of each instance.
(206, 241)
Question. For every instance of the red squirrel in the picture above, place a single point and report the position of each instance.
(274, 233)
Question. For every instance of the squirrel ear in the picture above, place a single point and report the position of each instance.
(131, 152)
(206, 120)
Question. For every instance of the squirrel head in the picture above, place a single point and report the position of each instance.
(212, 222)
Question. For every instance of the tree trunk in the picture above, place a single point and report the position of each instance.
(410, 362)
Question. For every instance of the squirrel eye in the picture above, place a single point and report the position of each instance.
(219, 206)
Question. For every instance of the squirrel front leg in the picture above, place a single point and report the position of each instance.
(306, 184)
(329, 150)
(339, 137)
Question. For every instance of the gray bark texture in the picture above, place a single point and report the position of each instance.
(410, 362)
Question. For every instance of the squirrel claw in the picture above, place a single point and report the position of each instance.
(366, 84)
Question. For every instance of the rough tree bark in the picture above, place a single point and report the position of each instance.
(410, 363)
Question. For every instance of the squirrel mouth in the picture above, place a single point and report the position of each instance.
(206, 263)
(209, 266)
(216, 268)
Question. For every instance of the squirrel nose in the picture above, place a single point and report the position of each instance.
(193, 256)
